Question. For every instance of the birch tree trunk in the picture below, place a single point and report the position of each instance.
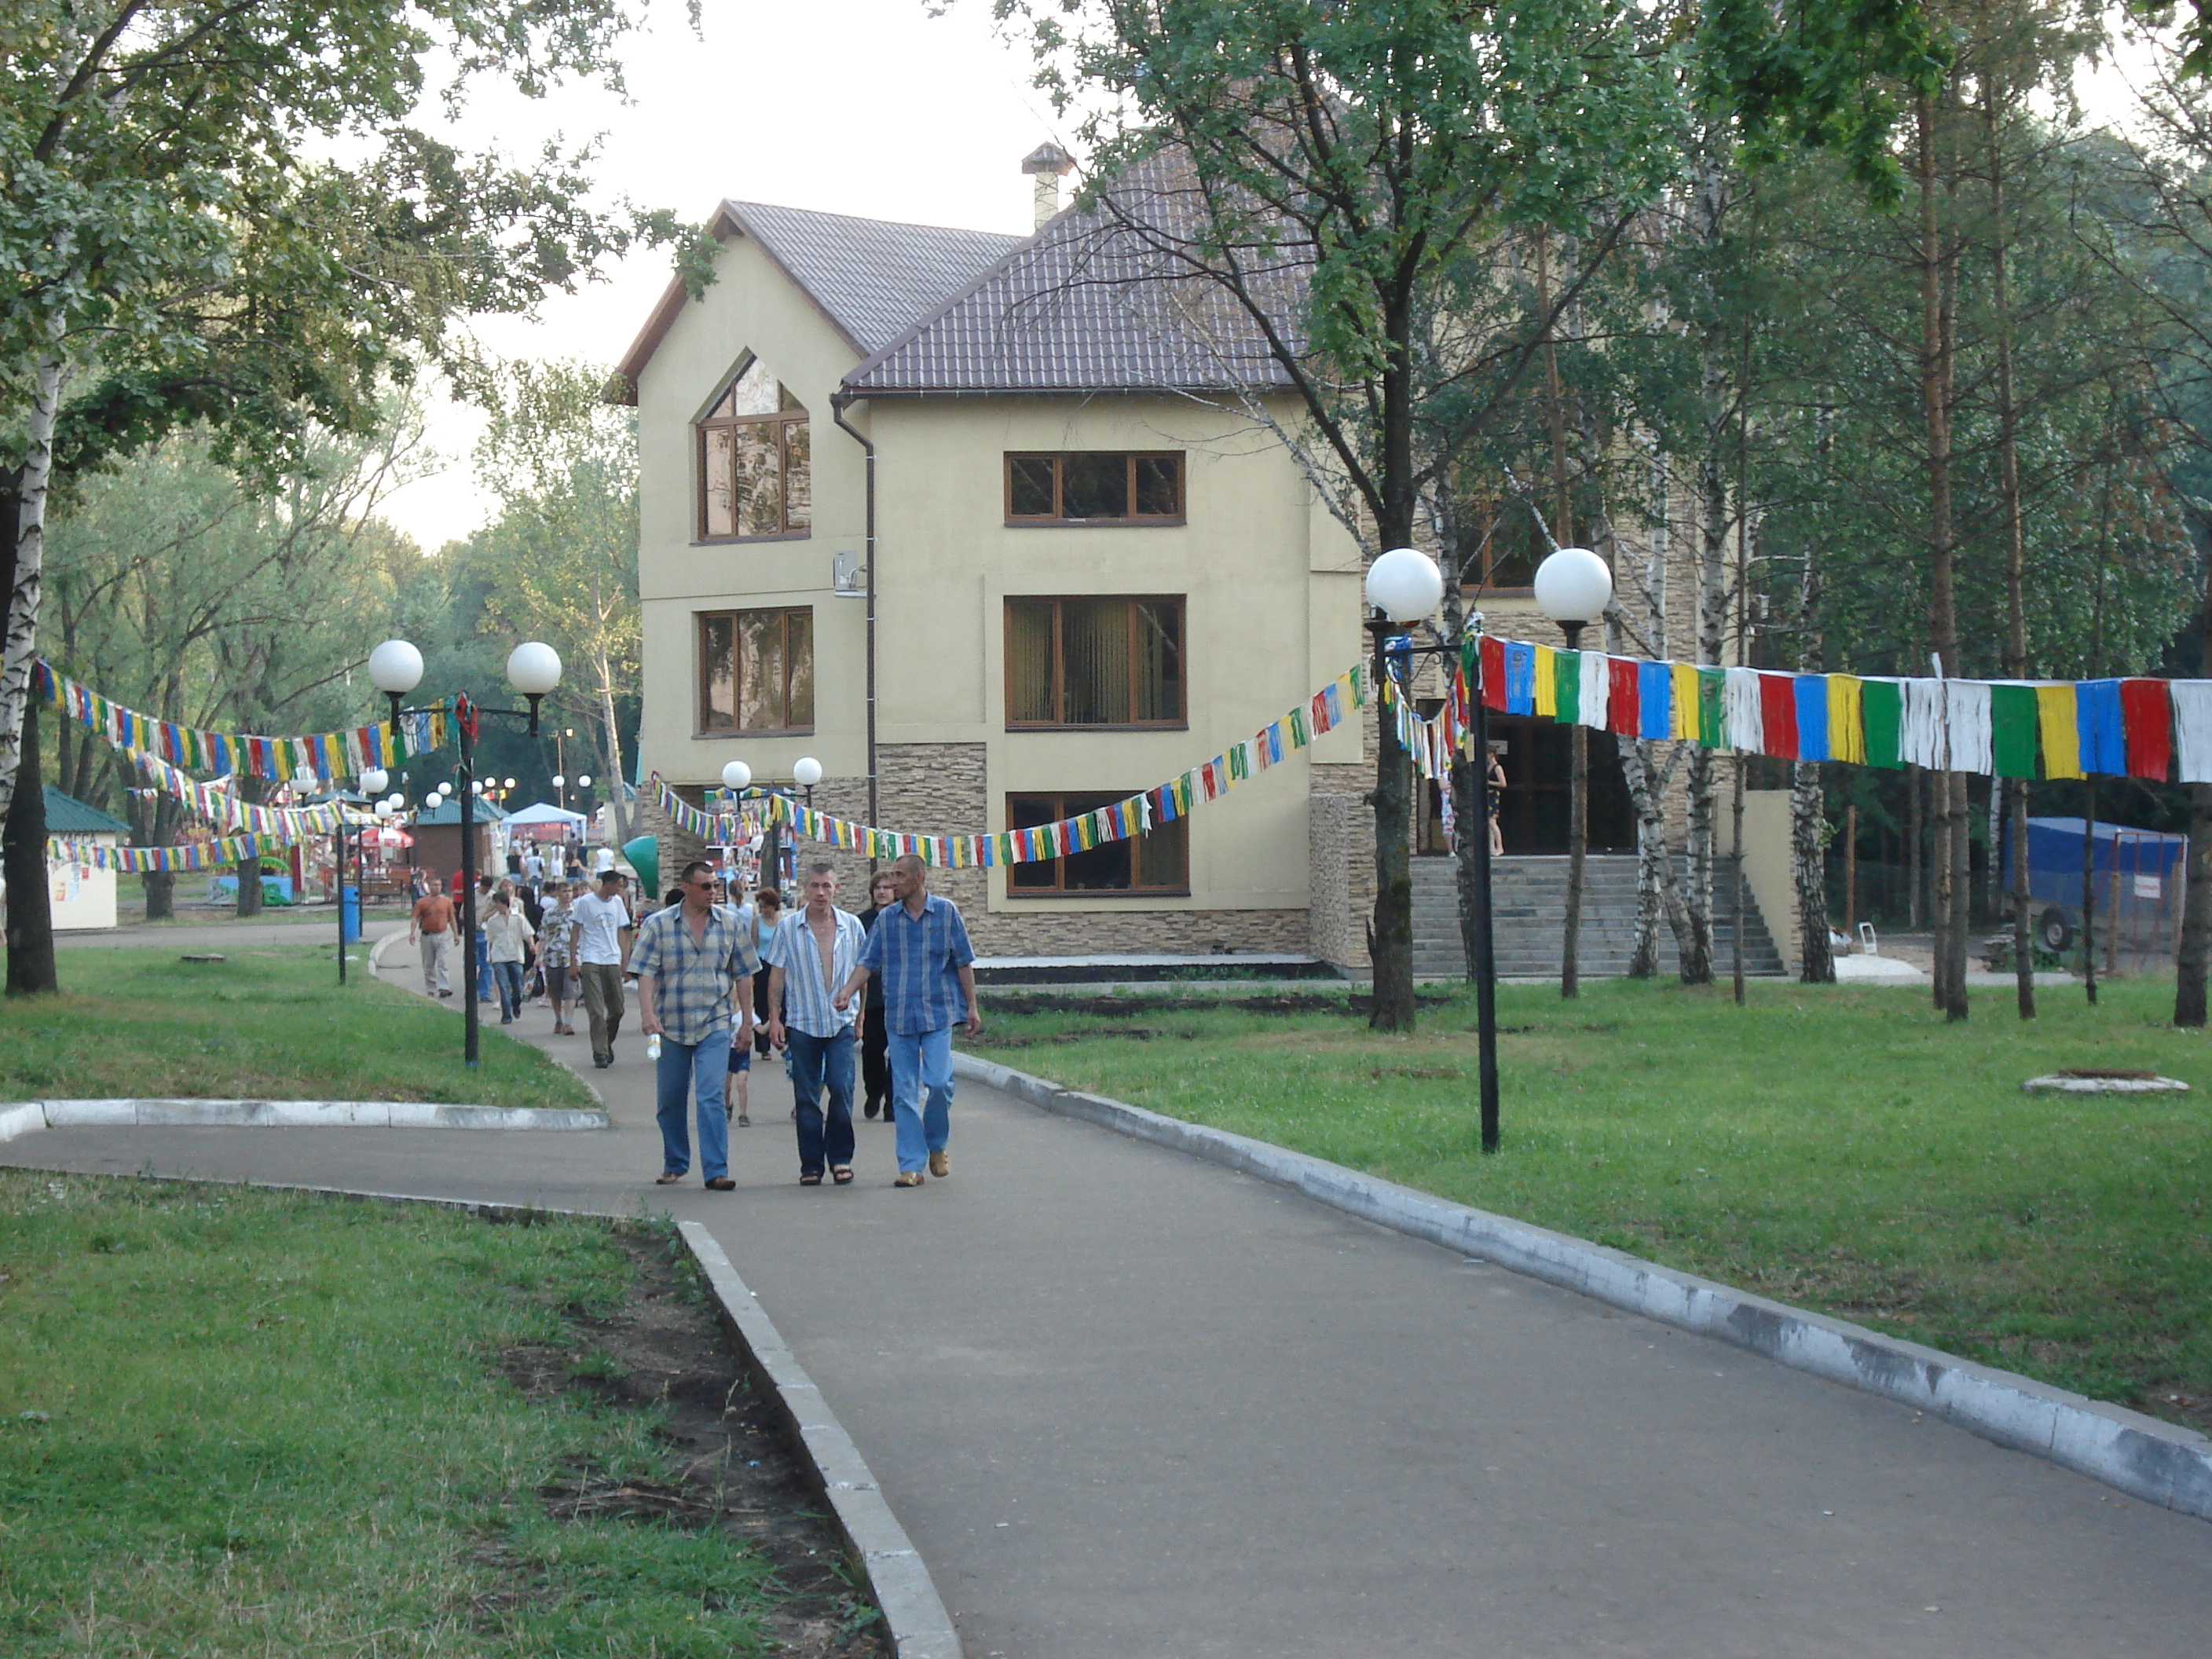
(22, 647)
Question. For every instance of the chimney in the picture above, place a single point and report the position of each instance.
(1047, 164)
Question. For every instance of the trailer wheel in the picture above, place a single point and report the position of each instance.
(2054, 931)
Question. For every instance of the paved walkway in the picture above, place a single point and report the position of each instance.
(1132, 1406)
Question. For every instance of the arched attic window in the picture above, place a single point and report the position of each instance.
(755, 472)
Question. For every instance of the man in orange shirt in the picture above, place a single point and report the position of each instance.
(430, 925)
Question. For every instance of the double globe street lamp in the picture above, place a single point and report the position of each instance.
(738, 777)
(532, 669)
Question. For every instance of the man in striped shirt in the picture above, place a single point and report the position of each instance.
(920, 946)
(811, 953)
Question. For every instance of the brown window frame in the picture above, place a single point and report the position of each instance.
(1073, 803)
(705, 727)
(1182, 720)
(783, 419)
(1058, 518)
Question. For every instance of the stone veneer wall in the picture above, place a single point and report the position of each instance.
(939, 789)
(1340, 845)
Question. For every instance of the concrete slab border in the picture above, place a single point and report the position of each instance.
(2159, 1463)
(897, 1578)
(29, 1116)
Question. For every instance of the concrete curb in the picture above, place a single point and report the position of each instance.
(2157, 1462)
(898, 1580)
(29, 1116)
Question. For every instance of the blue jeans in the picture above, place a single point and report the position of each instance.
(816, 1061)
(483, 968)
(922, 1060)
(682, 1070)
(506, 977)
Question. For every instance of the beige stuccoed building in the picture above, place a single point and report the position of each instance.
(1092, 569)
(995, 528)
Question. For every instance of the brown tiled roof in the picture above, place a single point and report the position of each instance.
(1098, 301)
(873, 279)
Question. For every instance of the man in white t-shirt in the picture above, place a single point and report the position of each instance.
(603, 935)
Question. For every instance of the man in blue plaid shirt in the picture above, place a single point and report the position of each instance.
(694, 969)
(920, 947)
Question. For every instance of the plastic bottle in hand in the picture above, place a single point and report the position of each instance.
(653, 1046)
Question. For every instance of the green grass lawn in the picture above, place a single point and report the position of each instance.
(239, 1423)
(267, 1022)
(1840, 1149)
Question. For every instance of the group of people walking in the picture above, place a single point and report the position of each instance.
(867, 1000)
(698, 965)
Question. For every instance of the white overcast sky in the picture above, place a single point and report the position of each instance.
(864, 106)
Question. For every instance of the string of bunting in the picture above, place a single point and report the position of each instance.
(2134, 728)
(222, 808)
(137, 860)
(326, 754)
(1136, 815)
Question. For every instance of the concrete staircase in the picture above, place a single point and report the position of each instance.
(1530, 895)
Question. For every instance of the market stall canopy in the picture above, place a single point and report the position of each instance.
(544, 812)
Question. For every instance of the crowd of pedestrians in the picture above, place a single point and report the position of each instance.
(847, 1003)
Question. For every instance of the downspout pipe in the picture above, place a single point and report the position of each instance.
(838, 405)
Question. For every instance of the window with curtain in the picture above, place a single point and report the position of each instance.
(755, 465)
(1155, 863)
(1113, 660)
(756, 671)
(1093, 486)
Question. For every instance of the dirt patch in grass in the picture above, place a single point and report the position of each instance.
(663, 1352)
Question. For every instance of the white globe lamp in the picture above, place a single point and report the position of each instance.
(1573, 588)
(584, 782)
(533, 669)
(383, 810)
(445, 788)
(806, 771)
(737, 776)
(395, 668)
(559, 782)
(1405, 584)
(373, 780)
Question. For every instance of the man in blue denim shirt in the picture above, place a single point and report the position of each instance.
(920, 947)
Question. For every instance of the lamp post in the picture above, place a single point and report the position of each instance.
(1573, 588)
(533, 669)
(1404, 585)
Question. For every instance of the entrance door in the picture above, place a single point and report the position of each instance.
(1535, 754)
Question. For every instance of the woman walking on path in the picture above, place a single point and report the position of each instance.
(875, 1034)
(508, 932)
(556, 953)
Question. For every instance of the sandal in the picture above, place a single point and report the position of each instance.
(841, 1173)
(812, 1178)
(668, 1177)
(743, 1122)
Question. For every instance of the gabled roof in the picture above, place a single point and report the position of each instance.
(68, 815)
(871, 279)
(1102, 299)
